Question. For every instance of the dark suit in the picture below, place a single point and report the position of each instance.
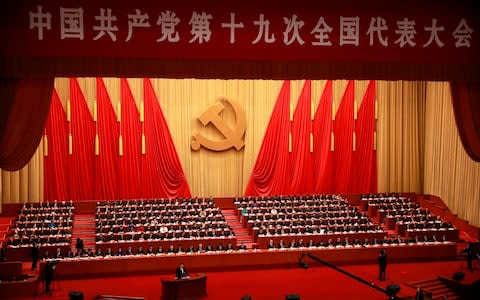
(181, 273)
(35, 257)
(382, 265)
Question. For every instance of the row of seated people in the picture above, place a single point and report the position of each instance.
(305, 230)
(128, 227)
(420, 226)
(318, 218)
(59, 222)
(158, 211)
(416, 214)
(418, 218)
(46, 216)
(45, 240)
(391, 200)
(285, 197)
(48, 231)
(383, 197)
(201, 217)
(407, 207)
(334, 211)
(128, 251)
(346, 242)
(133, 205)
(291, 203)
(359, 218)
(47, 207)
(220, 232)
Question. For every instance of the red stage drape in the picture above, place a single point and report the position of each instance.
(129, 171)
(343, 129)
(162, 172)
(301, 157)
(105, 185)
(466, 106)
(24, 106)
(364, 175)
(81, 161)
(55, 161)
(270, 175)
(322, 129)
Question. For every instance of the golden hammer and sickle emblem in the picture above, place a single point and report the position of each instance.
(233, 137)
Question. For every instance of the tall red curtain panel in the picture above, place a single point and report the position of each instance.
(271, 173)
(343, 129)
(81, 146)
(129, 145)
(322, 143)
(161, 168)
(364, 175)
(105, 186)
(24, 110)
(56, 153)
(466, 106)
(302, 151)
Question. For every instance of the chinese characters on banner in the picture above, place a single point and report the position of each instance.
(403, 32)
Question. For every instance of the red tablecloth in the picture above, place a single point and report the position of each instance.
(165, 244)
(244, 259)
(264, 240)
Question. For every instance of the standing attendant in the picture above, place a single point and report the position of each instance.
(382, 265)
(469, 256)
(79, 246)
(35, 255)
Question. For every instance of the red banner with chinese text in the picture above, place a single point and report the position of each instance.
(347, 31)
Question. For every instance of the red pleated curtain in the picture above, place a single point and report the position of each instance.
(271, 173)
(343, 129)
(56, 153)
(106, 146)
(301, 157)
(161, 168)
(129, 146)
(81, 157)
(322, 133)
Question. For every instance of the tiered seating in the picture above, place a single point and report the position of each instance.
(408, 218)
(47, 224)
(319, 218)
(159, 223)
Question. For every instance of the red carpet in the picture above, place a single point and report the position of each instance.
(312, 284)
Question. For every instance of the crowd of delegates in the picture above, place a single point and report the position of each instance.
(45, 224)
(406, 213)
(169, 219)
(151, 250)
(356, 243)
(287, 215)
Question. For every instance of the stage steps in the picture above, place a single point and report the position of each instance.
(241, 233)
(436, 287)
(5, 224)
(83, 228)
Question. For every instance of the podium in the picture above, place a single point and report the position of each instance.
(190, 288)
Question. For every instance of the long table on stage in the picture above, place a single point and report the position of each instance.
(167, 263)
(185, 243)
(186, 288)
(263, 240)
(24, 253)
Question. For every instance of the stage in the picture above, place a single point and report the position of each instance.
(249, 259)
